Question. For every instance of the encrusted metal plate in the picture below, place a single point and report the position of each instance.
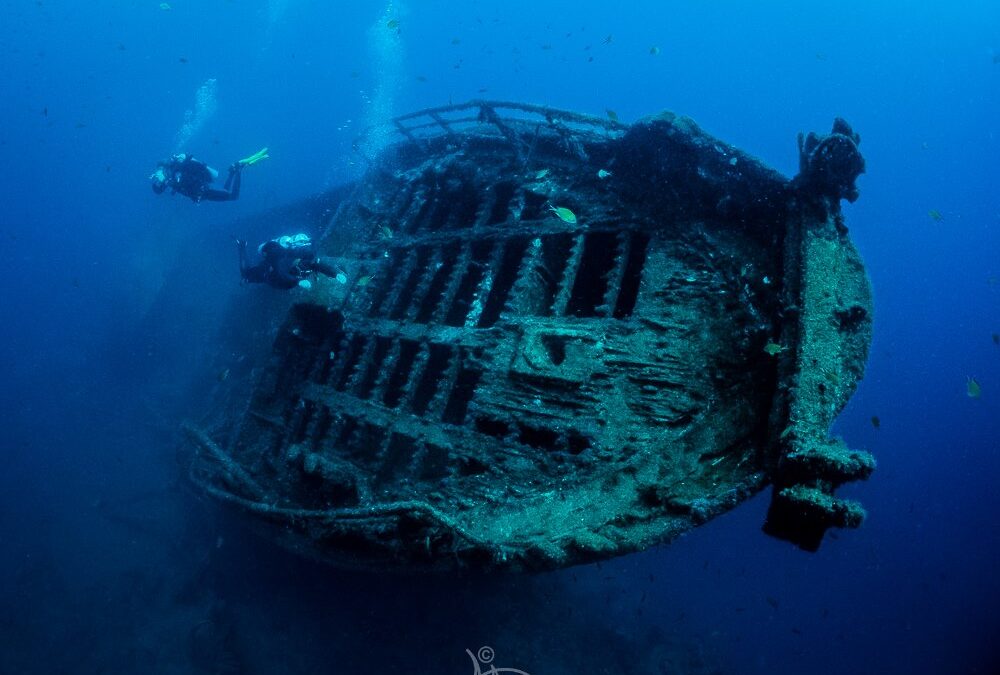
(555, 339)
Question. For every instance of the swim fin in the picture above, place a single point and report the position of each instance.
(254, 158)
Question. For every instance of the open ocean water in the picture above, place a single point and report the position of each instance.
(111, 563)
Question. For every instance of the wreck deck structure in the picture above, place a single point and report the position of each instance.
(556, 338)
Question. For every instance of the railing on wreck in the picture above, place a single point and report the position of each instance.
(520, 124)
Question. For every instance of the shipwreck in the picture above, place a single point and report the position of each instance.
(557, 338)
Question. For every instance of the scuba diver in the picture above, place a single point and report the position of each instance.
(285, 262)
(193, 178)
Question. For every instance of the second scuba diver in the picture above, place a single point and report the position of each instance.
(285, 262)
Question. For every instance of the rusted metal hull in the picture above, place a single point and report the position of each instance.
(490, 384)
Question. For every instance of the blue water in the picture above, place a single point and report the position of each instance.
(109, 564)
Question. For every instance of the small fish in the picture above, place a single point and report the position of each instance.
(608, 40)
(602, 174)
(612, 115)
(876, 422)
(341, 277)
(223, 375)
(365, 280)
(165, 6)
(456, 41)
(392, 24)
(773, 348)
(996, 58)
(996, 339)
(541, 174)
(421, 78)
(183, 59)
(385, 232)
(564, 214)
(654, 51)
(972, 388)
(935, 215)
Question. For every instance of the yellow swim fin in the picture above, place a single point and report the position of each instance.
(255, 157)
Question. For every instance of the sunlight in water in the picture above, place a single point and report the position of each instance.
(275, 13)
(205, 105)
(386, 47)
(275, 10)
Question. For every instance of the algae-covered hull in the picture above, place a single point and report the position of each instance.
(555, 339)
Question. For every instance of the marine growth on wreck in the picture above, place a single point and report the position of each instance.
(556, 338)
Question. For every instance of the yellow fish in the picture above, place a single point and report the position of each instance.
(541, 174)
(972, 388)
(564, 214)
(364, 281)
(392, 24)
(935, 215)
(654, 51)
(612, 115)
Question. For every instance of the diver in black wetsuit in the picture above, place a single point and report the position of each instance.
(285, 262)
(192, 178)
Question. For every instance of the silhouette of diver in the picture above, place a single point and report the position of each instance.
(285, 262)
(193, 178)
